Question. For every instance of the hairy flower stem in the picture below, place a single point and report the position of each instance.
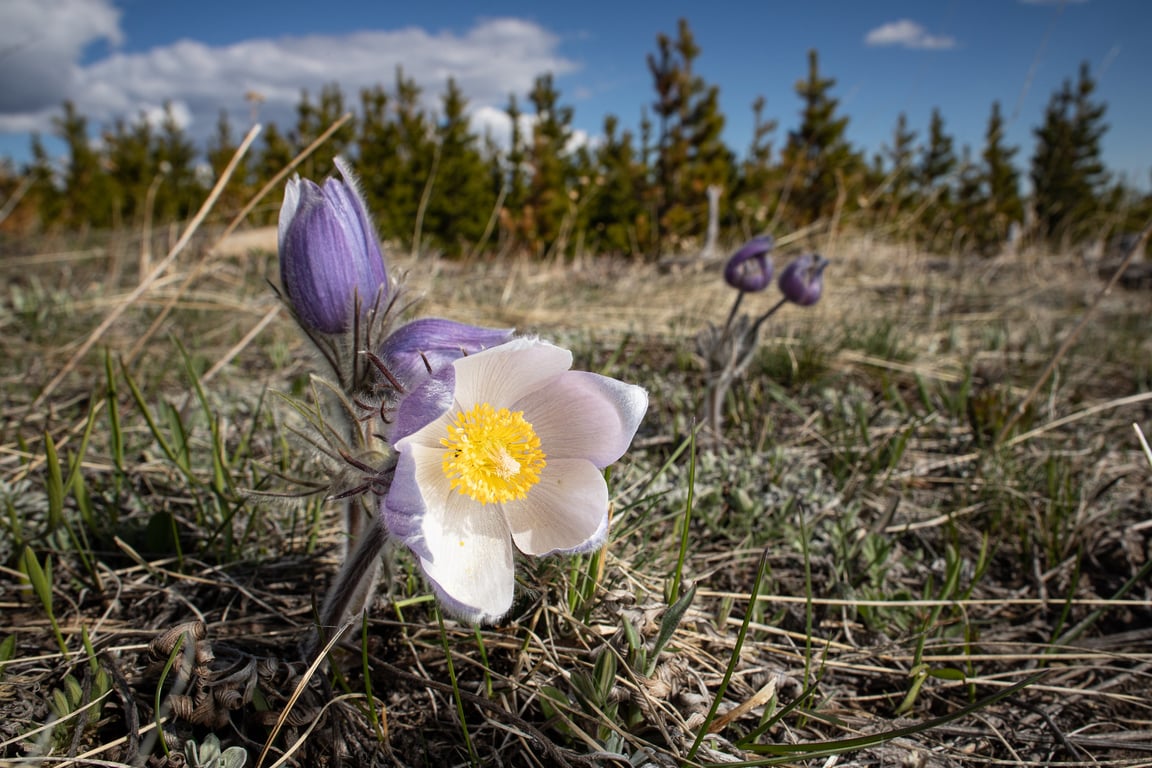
(760, 320)
(732, 312)
(353, 586)
(729, 358)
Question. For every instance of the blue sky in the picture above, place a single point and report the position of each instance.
(126, 57)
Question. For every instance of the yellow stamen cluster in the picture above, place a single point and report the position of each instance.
(492, 455)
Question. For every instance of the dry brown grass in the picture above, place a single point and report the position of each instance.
(823, 470)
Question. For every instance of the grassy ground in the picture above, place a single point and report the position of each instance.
(879, 564)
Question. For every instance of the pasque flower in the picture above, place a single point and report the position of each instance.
(750, 268)
(503, 450)
(802, 281)
(329, 256)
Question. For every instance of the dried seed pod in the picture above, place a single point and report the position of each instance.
(229, 698)
(164, 644)
(182, 706)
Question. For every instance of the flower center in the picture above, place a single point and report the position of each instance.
(493, 455)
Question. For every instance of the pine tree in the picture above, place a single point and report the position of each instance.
(615, 215)
(462, 196)
(900, 176)
(44, 193)
(376, 149)
(711, 163)
(1067, 174)
(273, 156)
(757, 185)
(548, 207)
(817, 156)
(312, 120)
(174, 157)
(1003, 205)
(690, 153)
(397, 152)
(221, 149)
(938, 160)
(934, 177)
(128, 151)
(969, 206)
(87, 184)
(415, 156)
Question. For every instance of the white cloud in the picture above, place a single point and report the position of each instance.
(908, 34)
(490, 60)
(494, 122)
(41, 42)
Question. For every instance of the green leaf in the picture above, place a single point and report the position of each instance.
(233, 757)
(947, 673)
(54, 485)
(7, 651)
(671, 620)
(553, 700)
(605, 674)
(115, 433)
(40, 581)
(635, 642)
(59, 704)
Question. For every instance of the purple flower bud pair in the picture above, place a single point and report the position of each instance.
(330, 260)
(802, 281)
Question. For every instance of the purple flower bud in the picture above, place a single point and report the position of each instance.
(329, 254)
(424, 346)
(750, 268)
(802, 281)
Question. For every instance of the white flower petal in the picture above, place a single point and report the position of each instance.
(502, 375)
(469, 557)
(430, 434)
(585, 415)
(567, 510)
(288, 209)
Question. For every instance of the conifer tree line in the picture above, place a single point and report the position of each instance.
(433, 183)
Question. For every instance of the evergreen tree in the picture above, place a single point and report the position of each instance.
(462, 197)
(415, 156)
(1068, 176)
(274, 155)
(45, 193)
(128, 150)
(397, 148)
(711, 163)
(174, 158)
(758, 183)
(900, 176)
(517, 154)
(968, 208)
(938, 160)
(934, 176)
(817, 155)
(87, 184)
(312, 120)
(1002, 203)
(376, 147)
(691, 155)
(615, 213)
(221, 149)
(548, 207)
